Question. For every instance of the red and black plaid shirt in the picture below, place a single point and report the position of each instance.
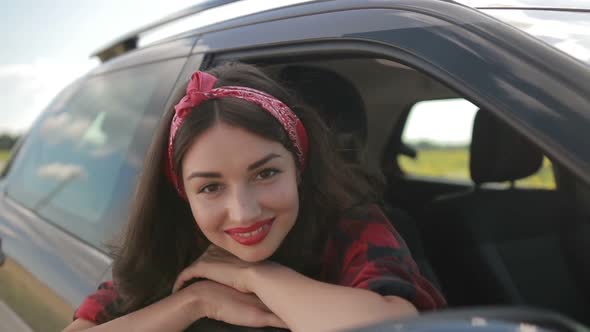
(365, 251)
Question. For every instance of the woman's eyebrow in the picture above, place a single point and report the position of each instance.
(254, 165)
(263, 161)
(204, 175)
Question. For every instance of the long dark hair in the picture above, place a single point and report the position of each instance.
(162, 237)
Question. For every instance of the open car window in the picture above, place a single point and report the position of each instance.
(440, 133)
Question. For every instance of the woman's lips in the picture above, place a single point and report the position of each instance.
(251, 235)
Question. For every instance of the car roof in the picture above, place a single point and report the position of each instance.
(198, 16)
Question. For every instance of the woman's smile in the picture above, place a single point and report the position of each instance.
(251, 235)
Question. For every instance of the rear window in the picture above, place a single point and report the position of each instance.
(80, 161)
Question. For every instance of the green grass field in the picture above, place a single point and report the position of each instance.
(3, 158)
(4, 155)
(453, 164)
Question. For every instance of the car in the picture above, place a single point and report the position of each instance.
(512, 79)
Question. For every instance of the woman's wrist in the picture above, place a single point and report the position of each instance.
(256, 275)
(194, 301)
(250, 275)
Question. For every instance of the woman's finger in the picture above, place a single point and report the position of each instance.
(254, 301)
(258, 318)
(273, 320)
(216, 265)
(221, 302)
(186, 275)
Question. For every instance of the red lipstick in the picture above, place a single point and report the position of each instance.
(251, 235)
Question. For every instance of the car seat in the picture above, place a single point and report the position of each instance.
(339, 103)
(504, 246)
(342, 108)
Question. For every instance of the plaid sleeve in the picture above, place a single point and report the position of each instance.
(367, 252)
(100, 306)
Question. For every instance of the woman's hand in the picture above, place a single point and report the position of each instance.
(223, 303)
(221, 266)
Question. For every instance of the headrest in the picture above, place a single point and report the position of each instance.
(499, 153)
(335, 97)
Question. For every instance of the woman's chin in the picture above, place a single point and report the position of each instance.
(254, 256)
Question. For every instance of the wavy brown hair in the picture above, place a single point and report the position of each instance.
(162, 237)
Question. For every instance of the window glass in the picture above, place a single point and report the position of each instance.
(439, 131)
(79, 161)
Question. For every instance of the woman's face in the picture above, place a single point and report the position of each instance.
(242, 190)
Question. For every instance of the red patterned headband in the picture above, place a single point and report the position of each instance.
(200, 88)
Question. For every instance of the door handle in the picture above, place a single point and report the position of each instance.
(2, 256)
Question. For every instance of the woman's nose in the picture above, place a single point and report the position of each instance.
(244, 206)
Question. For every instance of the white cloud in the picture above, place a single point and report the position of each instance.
(575, 49)
(25, 89)
(60, 171)
(59, 127)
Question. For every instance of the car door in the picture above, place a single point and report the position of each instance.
(65, 194)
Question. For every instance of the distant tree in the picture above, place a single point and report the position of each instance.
(7, 141)
(424, 145)
(433, 145)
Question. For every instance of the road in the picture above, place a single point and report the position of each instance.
(10, 322)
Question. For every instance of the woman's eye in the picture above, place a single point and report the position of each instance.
(210, 188)
(267, 173)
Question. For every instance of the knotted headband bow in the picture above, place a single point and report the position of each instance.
(200, 88)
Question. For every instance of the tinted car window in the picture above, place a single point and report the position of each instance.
(78, 162)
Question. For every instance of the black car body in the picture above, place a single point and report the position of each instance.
(64, 192)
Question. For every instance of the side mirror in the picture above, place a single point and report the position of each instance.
(407, 151)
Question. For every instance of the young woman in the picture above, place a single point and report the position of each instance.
(245, 214)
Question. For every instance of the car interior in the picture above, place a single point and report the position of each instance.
(483, 241)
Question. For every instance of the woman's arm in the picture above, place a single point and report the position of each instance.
(173, 313)
(305, 304)
(179, 310)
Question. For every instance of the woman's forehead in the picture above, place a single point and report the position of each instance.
(225, 146)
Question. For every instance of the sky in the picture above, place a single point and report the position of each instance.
(46, 45)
